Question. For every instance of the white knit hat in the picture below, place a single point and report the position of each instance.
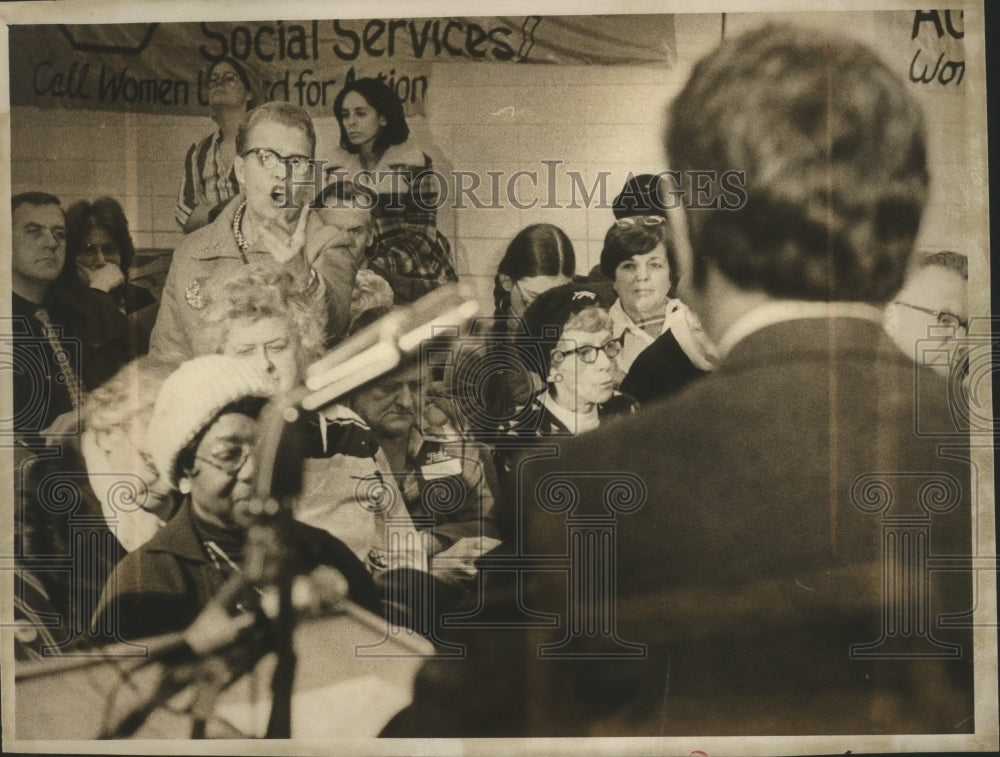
(192, 396)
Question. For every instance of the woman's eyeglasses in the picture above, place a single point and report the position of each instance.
(92, 253)
(629, 221)
(588, 353)
(228, 457)
(944, 318)
(269, 159)
(228, 78)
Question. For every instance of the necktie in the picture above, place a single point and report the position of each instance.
(62, 358)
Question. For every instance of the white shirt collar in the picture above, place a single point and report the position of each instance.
(679, 319)
(576, 421)
(622, 321)
(778, 311)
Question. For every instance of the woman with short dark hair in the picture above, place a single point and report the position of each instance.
(209, 179)
(639, 258)
(99, 255)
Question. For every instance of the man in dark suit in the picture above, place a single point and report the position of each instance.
(66, 339)
(757, 554)
(780, 567)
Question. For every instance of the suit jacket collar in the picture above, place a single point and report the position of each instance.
(59, 298)
(811, 339)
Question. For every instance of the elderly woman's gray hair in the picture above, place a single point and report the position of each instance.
(257, 293)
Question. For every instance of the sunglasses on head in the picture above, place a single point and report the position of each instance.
(640, 221)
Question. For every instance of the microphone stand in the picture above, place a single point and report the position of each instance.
(366, 356)
(268, 553)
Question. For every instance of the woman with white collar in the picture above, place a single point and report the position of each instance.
(638, 257)
(378, 157)
(374, 139)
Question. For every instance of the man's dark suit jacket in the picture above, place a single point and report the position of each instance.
(774, 526)
(95, 336)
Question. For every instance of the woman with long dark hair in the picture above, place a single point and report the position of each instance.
(99, 255)
(538, 258)
(378, 157)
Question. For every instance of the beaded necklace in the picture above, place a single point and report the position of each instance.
(241, 241)
(244, 247)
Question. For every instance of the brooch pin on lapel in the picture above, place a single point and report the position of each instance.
(193, 295)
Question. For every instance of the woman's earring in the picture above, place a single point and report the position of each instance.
(556, 378)
(184, 485)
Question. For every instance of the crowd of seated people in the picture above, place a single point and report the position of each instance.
(406, 485)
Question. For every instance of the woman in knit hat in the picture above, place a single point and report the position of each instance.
(202, 438)
(571, 344)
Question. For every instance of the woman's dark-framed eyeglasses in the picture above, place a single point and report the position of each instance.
(628, 221)
(943, 317)
(229, 78)
(588, 353)
(228, 457)
(92, 254)
(269, 159)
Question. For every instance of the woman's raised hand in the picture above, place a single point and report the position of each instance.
(285, 248)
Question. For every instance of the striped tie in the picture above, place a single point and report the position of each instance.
(68, 374)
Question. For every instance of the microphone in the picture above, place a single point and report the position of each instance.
(380, 347)
(372, 352)
(218, 648)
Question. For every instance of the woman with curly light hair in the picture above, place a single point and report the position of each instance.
(255, 316)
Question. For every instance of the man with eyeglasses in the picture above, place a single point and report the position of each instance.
(267, 225)
(930, 315)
